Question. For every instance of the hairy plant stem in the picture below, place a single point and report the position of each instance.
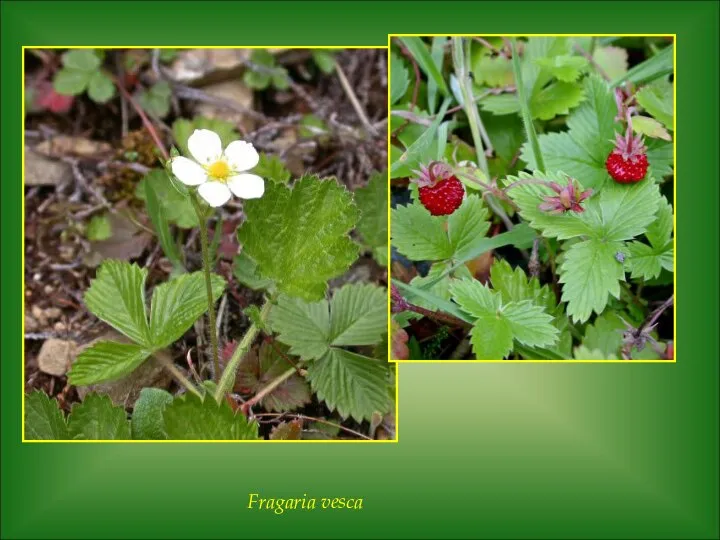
(172, 368)
(525, 109)
(272, 385)
(228, 376)
(204, 243)
(462, 71)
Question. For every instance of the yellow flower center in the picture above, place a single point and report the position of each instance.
(219, 170)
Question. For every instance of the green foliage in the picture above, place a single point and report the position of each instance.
(372, 201)
(420, 53)
(421, 236)
(272, 168)
(147, 421)
(172, 197)
(99, 228)
(645, 125)
(657, 99)
(420, 150)
(264, 71)
(156, 99)
(353, 384)
(259, 368)
(158, 212)
(647, 261)
(96, 418)
(653, 68)
(311, 127)
(43, 418)
(324, 59)
(246, 272)
(117, 296)
(191, 418)
(399, 79)
(82, 72)
(298, 237)
(497, 322)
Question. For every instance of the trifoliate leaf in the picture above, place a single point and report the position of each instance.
(582, 151)
(117, 296)
(147, 421)
(272, 168)
(399, 79)
(299, 237)
(657, 99)
(438, 286)
(81, 59)
(350, 383)
(644, 125)
(420, 236)
(356, 315)
(565, 67)
(590, 273)
(71, 82)
(176, 205)
(177, 304)
(100, 87)
(372, 201)
(514, 286)
(497, 323)
(43, 418)
(96, 418)
(192, 418)
(612, 60)
(287, 431)
(106, 361)
(259, 368)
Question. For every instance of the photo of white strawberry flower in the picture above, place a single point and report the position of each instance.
(219, 173)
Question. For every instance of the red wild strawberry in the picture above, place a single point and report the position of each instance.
(627, 163)
(440, 190)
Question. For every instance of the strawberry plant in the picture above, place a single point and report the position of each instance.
(276, 326)
(532, 184)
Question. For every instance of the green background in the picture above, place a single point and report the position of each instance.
(486, 450)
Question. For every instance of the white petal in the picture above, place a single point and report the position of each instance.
(187, 171)
(241, 156)
(215, 193)
(205, 146)
(247, 186)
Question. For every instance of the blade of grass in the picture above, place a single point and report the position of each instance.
(422, 56)
(437, 52)
(653, 68)
(525, 109)
(417, 149)
(439, 303)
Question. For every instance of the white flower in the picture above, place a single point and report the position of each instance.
(216, 173)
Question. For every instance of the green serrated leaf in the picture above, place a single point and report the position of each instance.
(612, 60)
(491, 337)
(287, 431)
(106, 361)
(604, 336)
(147, 421)
(644, 125)
(96, 418)
(43, 418)
(352, 384)
(590, 274)
(399, 79)
(419, 235)
(493, 71)
(530, 324)
(565, 67)
(627, 210)
(372, 201)
(558, 98)
(177, 304)
(299, 237)
(245, 270)
(467, 226)
(117, 296)
(192, 418)
(260, 368)
(657, 99)
(356, 315)
(71, 82)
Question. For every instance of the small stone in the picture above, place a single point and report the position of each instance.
(60, 327)
(31, 324)
(62, 145)
(42, 171)
(233, 91)
(55, 356)
(48, 289)
(52, 313)
(200, 65)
